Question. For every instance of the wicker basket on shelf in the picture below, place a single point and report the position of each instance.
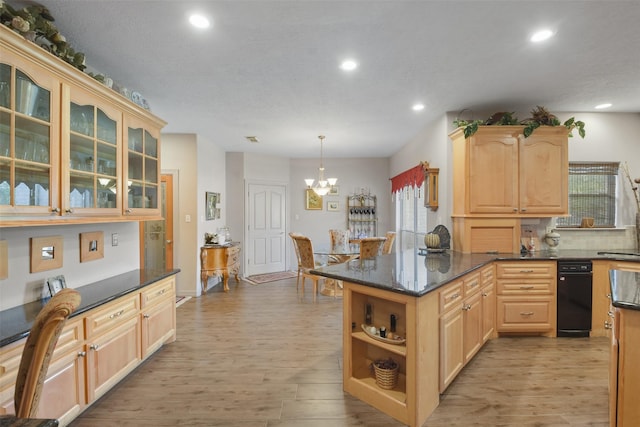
(386, 372)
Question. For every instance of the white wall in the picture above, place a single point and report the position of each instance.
(22, 286)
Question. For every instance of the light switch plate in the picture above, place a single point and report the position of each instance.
(114, 239)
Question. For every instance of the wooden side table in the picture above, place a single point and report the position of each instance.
(219, 260)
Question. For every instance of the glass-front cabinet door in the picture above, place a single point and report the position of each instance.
(29, 145)
(142, 162)
(91, 156)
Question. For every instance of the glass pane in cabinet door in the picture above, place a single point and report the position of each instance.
(32, 99)
(82, 191)
(150, 145)
(82, 119)
(107, 128)
(5, 187)
(81, 154)
(135, 198)
(5, 86)
(107, 189)
(135, 166)
(106, 160)
(151, 196)
(135, 140)
(150, 170)
(32, 141)
(5, 138)
(32, 186)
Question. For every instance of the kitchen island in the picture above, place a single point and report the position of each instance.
(444, 306)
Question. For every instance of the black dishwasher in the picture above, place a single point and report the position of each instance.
(574, 298)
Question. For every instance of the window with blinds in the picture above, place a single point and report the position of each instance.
(592, 194)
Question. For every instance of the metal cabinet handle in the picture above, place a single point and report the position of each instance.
(128, 211)
(55, 210)
(454, 296)
(146, 316)
(484, 294)
(94, 346)
(526, 287)
(161, 291)
(82, 353)
(608, 325)
(526, 271)
(610, 313)
(466, 307)
(69, 211)
(169, 242)
(117, 314)
(526, 313)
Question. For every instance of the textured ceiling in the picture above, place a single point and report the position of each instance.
(270, 68)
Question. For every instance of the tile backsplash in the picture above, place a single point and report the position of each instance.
(597, 238)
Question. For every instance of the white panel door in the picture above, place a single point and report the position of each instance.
(267, 225)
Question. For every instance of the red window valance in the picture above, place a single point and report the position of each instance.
(413, 177)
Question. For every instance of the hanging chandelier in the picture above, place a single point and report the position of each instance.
(323, 186)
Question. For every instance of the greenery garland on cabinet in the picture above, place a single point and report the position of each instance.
(539, 117)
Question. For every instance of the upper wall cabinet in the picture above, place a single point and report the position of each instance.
(142, 162)
(67, 143)
(498, 172)
(29, 138)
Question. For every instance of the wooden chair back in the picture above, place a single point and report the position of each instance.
(305, 248)
(38, 349)
(370, 246)
(388, 244)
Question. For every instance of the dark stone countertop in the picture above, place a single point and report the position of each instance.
(625, 289)
(11, 421)
(409, 273)
(16, 322)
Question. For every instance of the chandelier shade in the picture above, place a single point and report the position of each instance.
(322, 186)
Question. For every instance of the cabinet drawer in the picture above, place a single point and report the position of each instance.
(525, 287)
(111, 315)
(488, 274)
(518, 315)
(471, 284)
(450, 296)
(158, 292)
(71, 337)
(525, 270)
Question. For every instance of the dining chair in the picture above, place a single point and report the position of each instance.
(370, 246)
(388, 244)
(307, 261)
(38, 349)
(339, 239)
(295, 247)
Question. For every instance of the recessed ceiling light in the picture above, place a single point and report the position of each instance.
(199, 21)
(602, 106)
(417, 107)
(349, 65)
(541, 35)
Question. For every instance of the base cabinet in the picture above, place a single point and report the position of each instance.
(96, 350)
(624, 375)
(488, 302)
(415, 395)
(526, 300)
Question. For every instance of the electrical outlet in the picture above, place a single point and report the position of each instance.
(114, 239)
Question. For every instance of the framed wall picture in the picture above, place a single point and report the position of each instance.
(211, 200)
(333, 206)
(334, 191)
(91, 246)
(46, 253)
(313, 201)
(55, 284)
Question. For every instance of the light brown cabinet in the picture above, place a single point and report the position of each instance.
(500, 177)
(416, 393)
(526, 297)
(96, 350)
(62, 136)
(624, 374)
(498, 171)
(462, 325)
(488, 302)
(219, 260)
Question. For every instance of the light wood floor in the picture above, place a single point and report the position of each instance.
(266, 356)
